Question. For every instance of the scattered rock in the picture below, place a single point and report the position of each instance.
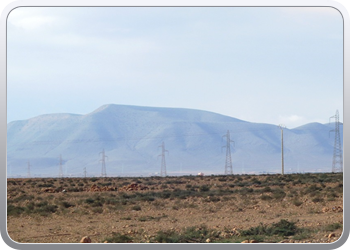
(208, 240)
(48, 190)
(337, 209)
(85, 239)
(331, 235)
(249, 241)
(325, 209)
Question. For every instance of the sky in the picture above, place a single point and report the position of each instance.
(276, 65)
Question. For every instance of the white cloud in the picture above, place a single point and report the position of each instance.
(291, 120)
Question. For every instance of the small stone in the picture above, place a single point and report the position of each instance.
(325, 209)
(208, 240)
(331, 235)
(85, 239)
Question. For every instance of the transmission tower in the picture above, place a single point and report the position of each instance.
(337, 165)
(28, 169)
(60, 175)
(103, 160)
(163, 165)
(228, 162)
(282, 151)
(84, 172)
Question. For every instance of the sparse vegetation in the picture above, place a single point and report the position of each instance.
(169, 207)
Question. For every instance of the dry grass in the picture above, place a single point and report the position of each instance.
(176, 209)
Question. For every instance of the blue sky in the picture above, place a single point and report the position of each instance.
(267, 65)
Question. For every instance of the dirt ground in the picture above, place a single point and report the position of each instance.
(138, 209)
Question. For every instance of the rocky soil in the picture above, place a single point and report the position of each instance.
(153, 209)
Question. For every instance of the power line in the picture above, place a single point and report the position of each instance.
(337, 165)
(163, 164)
(228, 161)
(281, 126)
(103, 160)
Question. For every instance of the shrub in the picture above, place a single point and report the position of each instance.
(212, 199)
(45, 209)
(281, 228)
(297, 202)
(256, 181)
(118, 238)
(204, 188)
(14, 210)
(136, 208)
(332, 227)
(66, 204)
(317, 199)
(97, 210)
(266, 197)
(147, 198)
(278, 194)
(23, 197)
(165, 194)
(189, 235)
(167, 237)
(89, 201)
(245, 191)
(45, 185)
(284, 228)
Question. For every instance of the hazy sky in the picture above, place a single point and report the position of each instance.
(269, 65)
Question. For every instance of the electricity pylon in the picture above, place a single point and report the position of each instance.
(337, 165)
(84, 172)
(282, 152)
(103, 160)
(228, 162)
(60, 174)
(163, 164)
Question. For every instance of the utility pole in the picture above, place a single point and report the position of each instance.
(60, 175)
(337, 165)
(282, 127)
(103, 160)
(28, 169)
(228, 162)
(163, 165)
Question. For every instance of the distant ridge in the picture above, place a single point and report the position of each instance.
(131, 136)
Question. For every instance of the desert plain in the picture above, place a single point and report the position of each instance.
(269, 208)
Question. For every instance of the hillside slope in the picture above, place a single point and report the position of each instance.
(131, 136)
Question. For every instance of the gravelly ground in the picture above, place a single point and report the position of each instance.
(226, 215)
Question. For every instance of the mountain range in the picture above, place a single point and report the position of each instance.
(131, 137)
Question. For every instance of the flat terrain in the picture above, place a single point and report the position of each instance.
(207, 209)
